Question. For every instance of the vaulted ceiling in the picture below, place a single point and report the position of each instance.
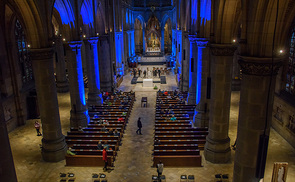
(149, 3)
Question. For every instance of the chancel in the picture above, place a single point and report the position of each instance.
(202, 88)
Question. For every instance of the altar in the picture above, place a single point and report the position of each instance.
(147, 83)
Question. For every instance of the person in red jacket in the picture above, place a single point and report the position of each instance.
(105, 158)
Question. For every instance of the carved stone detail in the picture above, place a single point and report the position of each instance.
(41, 54)
(73, 45)
(91, 40)
(223, 49)
(259, 66)
(202, 42)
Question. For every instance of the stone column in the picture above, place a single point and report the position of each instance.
(79, 112)
(217, 147)
(94, 94)
(62, 84)
(53, 142)
(163, 41)
(143, 40)
(105, 64)
(185, 61)
(201, 118)
(7, 171)
(254, 120)
(236, 81)
(191, 99)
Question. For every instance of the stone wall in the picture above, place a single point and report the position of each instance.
(282, 113)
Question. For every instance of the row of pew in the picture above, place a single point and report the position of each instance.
(103, 118)
(177, 142)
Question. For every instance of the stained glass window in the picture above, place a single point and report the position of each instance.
(291, 67)
(22, 52)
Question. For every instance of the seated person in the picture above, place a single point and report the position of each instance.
(121, 119)
(158, 106)
(161, 111)
(105, 122)
(166, 102)
(169, 97)
(165, 93)
(171, 111)
(99, 145)
(106, 145)
(170, 106)
(111, 132)
(157, 142)
(124, 113)
(69, 151)
(100, 121)
(104, 128)
(173, 118)
(109, 103)
(116, 133)
(121, 106)
(80, 129)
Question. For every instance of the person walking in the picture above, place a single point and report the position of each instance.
(160, 168)
(37, 127)
(105, 158)
(139, 125)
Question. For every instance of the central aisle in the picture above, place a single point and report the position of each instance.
(135, 155)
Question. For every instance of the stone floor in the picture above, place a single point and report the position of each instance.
(134, 159)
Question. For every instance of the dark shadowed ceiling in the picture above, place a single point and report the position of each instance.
(149, 3)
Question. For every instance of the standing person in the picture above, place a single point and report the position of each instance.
(105, 158)
(160, 168)
(139, 72)
(139, 125)
(144, 73)
(37, 127)
(159, 73)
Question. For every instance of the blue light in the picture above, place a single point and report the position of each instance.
(80, 77)
(205, 12)
(96, 66)
(65, 11)
(86, 12)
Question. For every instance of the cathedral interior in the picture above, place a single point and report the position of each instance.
(70, 63)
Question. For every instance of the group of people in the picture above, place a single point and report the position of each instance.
(156, 72)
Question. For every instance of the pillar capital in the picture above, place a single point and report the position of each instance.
(74, 45)
(202, 42)
(192, 38)
(223, 49)
(260, 66)
(91, 40)
(41, 54)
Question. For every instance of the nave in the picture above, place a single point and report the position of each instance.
(134, 160)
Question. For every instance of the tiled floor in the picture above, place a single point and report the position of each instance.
(134, 159)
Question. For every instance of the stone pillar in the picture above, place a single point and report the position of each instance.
(191, 99)
(62, 84)
(185, 61)
(217, 147)
(105, 64)
(53, 142)
(7, 171)
(253, 120)
(94, 94)
(162, 39)
(236, 81)
(201, 118)
(143, 40)
(79, 112)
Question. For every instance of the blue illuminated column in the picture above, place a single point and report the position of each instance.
(105, 64)
(79, 112)
(173, 42)
(201, 113)
(162, 40)
(132, 43)
(62, 84)
(119, 52)
(191, 99)
(217, 147)
(94, 94)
